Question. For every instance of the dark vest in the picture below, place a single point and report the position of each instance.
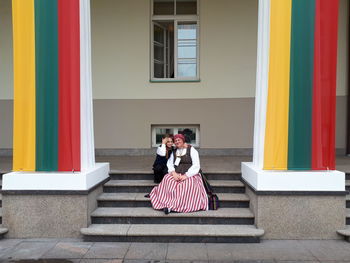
(185, 163)
(162, 160)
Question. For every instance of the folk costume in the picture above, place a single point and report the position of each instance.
(181, 196)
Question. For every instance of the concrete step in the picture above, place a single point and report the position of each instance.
(147, 215)
(3, 232)
(148, 175)
(172, 233)
(345, 233)
(139, 200)
(145, 186)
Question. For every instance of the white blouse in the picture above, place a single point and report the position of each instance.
(194, 169)
(161, 150)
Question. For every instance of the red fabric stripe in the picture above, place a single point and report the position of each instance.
(186, 196)
(69, 85)
(324, 95)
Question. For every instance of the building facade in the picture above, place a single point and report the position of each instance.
(131, 104)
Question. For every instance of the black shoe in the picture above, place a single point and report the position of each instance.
(147, 196)
(166, 210)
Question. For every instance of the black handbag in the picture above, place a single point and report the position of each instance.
(213, 199)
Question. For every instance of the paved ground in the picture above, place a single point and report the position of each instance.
(67, 251)
(209, 164)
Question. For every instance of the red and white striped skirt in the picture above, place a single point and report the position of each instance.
(180, 196)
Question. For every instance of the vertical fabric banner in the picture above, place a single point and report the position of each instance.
(53, 110)
(301, 85)
(296, 85)
(324, 93)
(276, 136)
(46, 36)
(24, 85)
(69, 85)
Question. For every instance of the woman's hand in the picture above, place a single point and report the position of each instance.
(164, 140)
(175, 175)
(183, 177)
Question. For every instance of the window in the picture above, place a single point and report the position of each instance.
(174, 47)
(191, 132)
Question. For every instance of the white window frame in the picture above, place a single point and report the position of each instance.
(176, 19)
(175, 128)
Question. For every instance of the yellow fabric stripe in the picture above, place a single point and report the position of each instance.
(276, 134)
(24, 85)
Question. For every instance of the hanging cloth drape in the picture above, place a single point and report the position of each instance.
(296, 85)
(53, 126)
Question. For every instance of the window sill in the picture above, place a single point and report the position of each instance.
(175, 80)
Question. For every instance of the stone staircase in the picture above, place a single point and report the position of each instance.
(125, 215)
(3, 230)
(346, 232)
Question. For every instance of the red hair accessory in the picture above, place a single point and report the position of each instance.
(179, 136)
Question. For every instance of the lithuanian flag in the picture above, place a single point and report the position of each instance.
(52, 85)
(301, 64)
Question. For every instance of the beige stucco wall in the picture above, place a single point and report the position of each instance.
(224, 123)
(6, 62)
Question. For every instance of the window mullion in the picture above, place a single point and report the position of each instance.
(164, 54)
(175, 48)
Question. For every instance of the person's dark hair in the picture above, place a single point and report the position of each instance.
(187, 133)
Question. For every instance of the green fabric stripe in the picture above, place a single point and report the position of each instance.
(301, 83)
(46, 56)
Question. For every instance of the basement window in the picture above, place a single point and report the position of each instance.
(191, 133)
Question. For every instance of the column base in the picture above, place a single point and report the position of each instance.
(60, 181)
(267, 180)
(296, 204)
(51, 205)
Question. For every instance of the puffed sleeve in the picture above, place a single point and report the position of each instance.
(161, 150)
(194, 169)
(170, 163)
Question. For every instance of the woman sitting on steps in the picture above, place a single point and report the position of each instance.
(182, 189)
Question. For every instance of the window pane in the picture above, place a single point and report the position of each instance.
(159, 53)
(158, 70)
(186, 7)
(187, 70)
(158, 34)
(187, 49)
(163, 7)
(189, 133)
(161, 132)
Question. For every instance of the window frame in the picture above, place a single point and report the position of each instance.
(175, 128)
(176, 19)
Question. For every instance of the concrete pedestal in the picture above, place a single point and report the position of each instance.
(296, 205)
(51, 205)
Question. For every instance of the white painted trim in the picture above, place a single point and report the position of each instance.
(177, 17)
(87, 148)
(261, 82)
(263, 180)
(78, 181)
